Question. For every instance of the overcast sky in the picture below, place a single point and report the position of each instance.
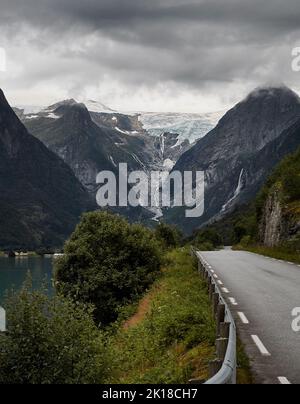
(153, 55)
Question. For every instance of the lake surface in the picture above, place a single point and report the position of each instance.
(13, 272)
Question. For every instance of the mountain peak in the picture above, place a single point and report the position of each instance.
(64, 103)
(3, 100)
(272, 91)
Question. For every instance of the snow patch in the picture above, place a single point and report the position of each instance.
(162, 144)
(29, 117)
(169, 164)
(52, 116)
(126, 132)
(113, 161)
(158, 214)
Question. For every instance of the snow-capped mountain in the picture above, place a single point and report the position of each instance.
(91, 137)
(237, 154)
(191, 127)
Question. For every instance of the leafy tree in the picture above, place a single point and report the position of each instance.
(108, 262)
(169, 235)
(50, 341)
(209, 235)
(291, 183)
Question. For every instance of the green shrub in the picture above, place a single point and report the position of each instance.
(246, 241)
(50, 341)
(169, 235)
(205, 246)
(108, 263)
(208, 235)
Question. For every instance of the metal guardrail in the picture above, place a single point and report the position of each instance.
(223, 369)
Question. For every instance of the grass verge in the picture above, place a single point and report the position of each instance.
(171, 337)
(244, 375)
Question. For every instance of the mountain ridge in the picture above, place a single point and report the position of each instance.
(227, 152)
(41, 200)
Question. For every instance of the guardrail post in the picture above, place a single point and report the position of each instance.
(220, 316)
(209, 282)
(215, 301)
(224, 330)
(221, 345)
(212, 290)
(214, 367)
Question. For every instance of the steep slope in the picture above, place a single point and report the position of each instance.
(242, 150)
(41, 200)
(273, 216)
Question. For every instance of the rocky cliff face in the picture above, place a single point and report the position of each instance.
(41, 199)
(279, 221)
(279, 224)
(271, 226)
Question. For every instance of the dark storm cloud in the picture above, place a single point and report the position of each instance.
(124, 13)
(128, 10)
(198, 44)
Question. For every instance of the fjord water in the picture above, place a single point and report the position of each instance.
(13, 272)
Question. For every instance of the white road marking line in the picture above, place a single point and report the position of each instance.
(225, 290)
(291, 263)
(212, 271)
(233, 301)
(263, 350)
(243, 318)
(220, 283)
(284, 380)
(215, 276)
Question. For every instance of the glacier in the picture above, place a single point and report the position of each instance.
(191, 127)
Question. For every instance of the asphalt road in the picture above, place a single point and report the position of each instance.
(262, 293)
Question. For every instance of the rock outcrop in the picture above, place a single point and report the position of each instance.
(271, 226)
